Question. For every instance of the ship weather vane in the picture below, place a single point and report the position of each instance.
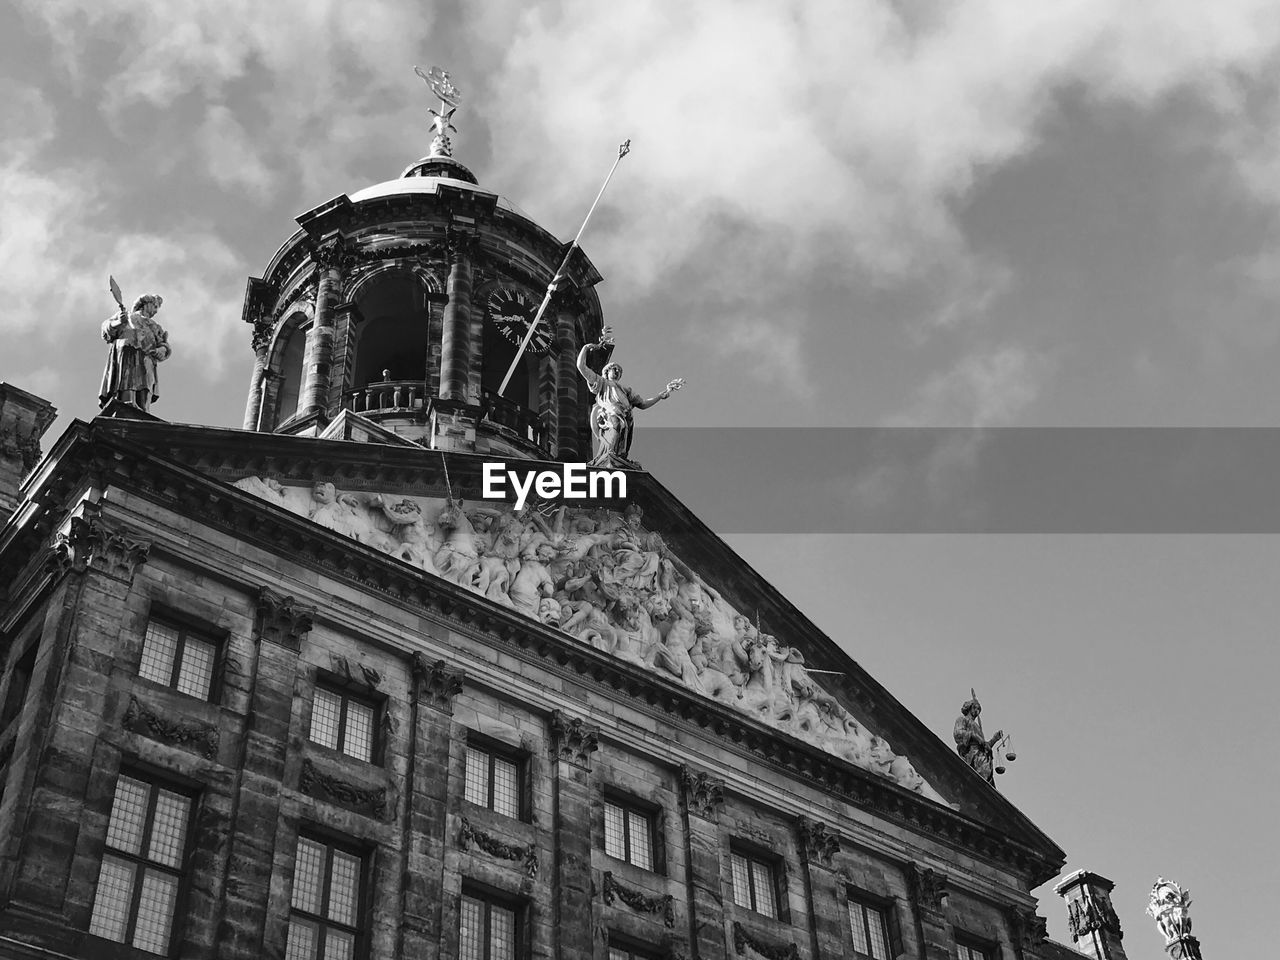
(450, 96)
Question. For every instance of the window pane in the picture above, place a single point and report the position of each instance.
(857, 923)
(359, 734)
(111, 903)
(506, 798)
(344, 887)
(128, 810)
(614, 844)
(326, 710)
(741, 882)
(302, 940)
(169, 828)
(762, 880)
(641, 845)
(471, 930)
(477, 780)
(502, 933)
(158, 648)
(308, 876)
(879, 943)
(338, 945)
(155, 911)
(616, 954)
(195, 676)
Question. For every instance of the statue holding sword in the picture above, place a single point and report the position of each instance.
(138, 343)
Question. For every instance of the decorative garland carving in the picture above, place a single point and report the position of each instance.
(575, 739)
(928, 888)
(703, 793)
(316, 783)
(148, 722)
(281, 619)
(437, 683)
(333, 255)
(27, 448)
(497, 848)
(91, 543)
(637, 900)
(817, 843)
(1092, 913)
(1026, 929)
(743, 938)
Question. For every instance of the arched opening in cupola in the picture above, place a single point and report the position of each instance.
(291, 357)
(390, 336)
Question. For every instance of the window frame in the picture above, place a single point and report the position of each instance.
(330, 845)
(141, 863)
(187, 628)
(490, 898)
(652, 818)
(345, 693)
(493, 749)
(887, 911)
(977, 948)
(771, 862)
(634, 950)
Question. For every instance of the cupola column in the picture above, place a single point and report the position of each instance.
(319, 356)
(455, 335)
(261, 344)
(566, 419)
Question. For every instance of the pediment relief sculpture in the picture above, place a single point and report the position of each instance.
(605, 579)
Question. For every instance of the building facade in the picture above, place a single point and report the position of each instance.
(298, 691)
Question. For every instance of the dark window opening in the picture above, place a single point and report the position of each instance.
(391, 339)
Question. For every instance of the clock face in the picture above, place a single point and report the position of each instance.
(512, 312)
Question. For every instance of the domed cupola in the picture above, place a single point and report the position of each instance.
(395, 312)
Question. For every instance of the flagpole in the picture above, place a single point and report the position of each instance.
(623, 150)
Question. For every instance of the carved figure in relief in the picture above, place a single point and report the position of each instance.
(604, 579)
(611, 415)
(138, 344)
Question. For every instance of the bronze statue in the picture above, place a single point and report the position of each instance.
(973, 747)
(611, 420)
(138, 343)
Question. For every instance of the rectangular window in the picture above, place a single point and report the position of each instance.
(178, 658)
(628, 834)
(493, 781)
(624, 951)
(488, 930)
(141, 872)
(342, 722)
(968, 951)
(870, 927)
(754, 884)
(324, 922)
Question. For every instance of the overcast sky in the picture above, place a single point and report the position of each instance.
(988, 213)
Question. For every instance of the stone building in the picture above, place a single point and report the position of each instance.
(277, 692)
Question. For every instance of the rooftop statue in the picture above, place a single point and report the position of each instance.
(611, 420)
(971, 744)
(1170, 908)
(138, 343)
(450, 96)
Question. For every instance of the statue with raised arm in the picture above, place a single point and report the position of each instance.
(611, 419)
(971, 744)
(138, 343)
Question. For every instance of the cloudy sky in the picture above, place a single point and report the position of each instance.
(857, 213)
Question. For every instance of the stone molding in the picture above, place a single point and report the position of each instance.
(436, 683)
(703, 793)
(636, 900)
(818, 844)
(282, 619)
(527, 856)
(91, 543)
(1090, 914)
(928, 888)
(1026, 929)
(743, 938)
(316, 783)
(574, 739)
(189, 734)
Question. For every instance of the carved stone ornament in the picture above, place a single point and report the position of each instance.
(612, 584)
(356, 672)
(26, 447)
(928, 888)
(469, 836)
(743, 938)
(575, 739)
(263, 327)
(437, 682)
(1092, 912)
(188, 734)
(332, 255)
(817, 843)
(316, 783)
(636, 900)
(1026, 929)
(281, 619)
(703, 793)
(1170, 908)
(91, 543)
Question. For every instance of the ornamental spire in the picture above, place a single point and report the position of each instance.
(1170, 908)
(450, 96)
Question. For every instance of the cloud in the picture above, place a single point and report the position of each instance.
(770, 350)
(985, 388)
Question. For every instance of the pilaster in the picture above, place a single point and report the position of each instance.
(818, 848)
(565, 424)
(701, 799)
(928, 890)
(455, 336)
(572, 743)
